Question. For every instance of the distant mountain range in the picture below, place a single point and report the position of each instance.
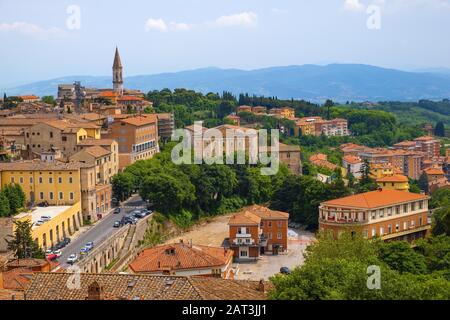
(340, 82)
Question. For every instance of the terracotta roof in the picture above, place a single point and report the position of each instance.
(394, 178)
(425, 138)
(244, 218)
(108, 94)
(352, 159)
(17, 278)
(140, 120)
(38, 165)
(254, 214)
(180, 256)
(96, 142)
(130, 98)
(266, 213)
(437, 171)
(53, 286)
(6, 294)
(282, 148)
(97, 151)
(30, 97)
(26, 263)
(375, 199)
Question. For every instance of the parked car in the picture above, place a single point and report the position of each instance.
(116, 210)
(84, 250)
(89, 245)
(48, 251)
(66, 241)
(45, 218)
(60, 245)
(140, 214)
(285, 270)
(72, 258)
(58, 253)
(129, 220)
(116, 224)
(51, 257)
(39, 223)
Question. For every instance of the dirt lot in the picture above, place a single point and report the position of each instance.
(214, 232)
(207, 234)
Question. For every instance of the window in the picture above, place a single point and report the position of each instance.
(279, 235)
(381, 231)
(374, 232)
(40, 179)
(270, 235)
(51, 195)
(242, 230)
(390, 229)
(12, 180)
(279, 224)
(31, 180)
(365, 234)
(421, 204)
(374, 215)
(397, 210)
(70, 179)
(60, 196)
(71, 196)
(59, 179)
(50, 180)
(21, 180)
(51, 134)
(397, 227)
(405, 208)
(413, 223)
(269, 223)
(413, 206)
(405, 225)
(41, 195)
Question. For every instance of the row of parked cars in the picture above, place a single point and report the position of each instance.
(55, 252)
(83, 251)
(132, 217)
(42, 220)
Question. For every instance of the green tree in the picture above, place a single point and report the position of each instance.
(441, 221)
(5, 210)
(22, 243)
(122, 186)
(399, 255)
(15, 196)
(49, 100)
(439, 130)
(423, 182)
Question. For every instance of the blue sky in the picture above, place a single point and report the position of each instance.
(171, 35)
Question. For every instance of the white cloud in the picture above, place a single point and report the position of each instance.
(353, 5)
(160, 25)
(30, 29)
(156, 24)
(246, 19)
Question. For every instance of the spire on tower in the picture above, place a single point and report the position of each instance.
(117, 62)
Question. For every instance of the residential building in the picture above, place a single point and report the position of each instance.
(395, 182)
(381, 170)
(436, 179)
(109, 144)
(101, 158)
(257, 230)
(166, 126)
(353, 164)
(61, 184)
(284, 112)
(113, 286)
(288, 155)
(184, 259)
(316, 126)
(244, 109)
(30, 98)
(429, 145)
(321, 160)
(61, 134)
(236, 120)
(387, 214)
(259, 110)
(137, 137)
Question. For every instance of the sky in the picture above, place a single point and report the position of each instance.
(46, 39)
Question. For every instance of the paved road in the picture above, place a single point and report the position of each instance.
(100, 231)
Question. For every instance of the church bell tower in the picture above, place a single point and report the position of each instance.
(117, 74)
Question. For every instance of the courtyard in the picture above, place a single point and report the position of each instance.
(213, 233)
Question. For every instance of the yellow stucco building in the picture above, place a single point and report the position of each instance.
(62, 222)
(396, 182)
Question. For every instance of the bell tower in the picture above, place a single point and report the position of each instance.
(117, 74)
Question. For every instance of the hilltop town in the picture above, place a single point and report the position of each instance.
(87, 183)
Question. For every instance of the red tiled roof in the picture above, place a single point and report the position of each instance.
(394, 178)
(180, 256)
(375, 199)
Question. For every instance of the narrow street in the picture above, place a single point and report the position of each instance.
(100, 231)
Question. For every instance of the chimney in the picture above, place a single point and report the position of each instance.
(95, 291)
(261, 286)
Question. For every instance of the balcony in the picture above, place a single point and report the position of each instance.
(242, 242)
(243, 235)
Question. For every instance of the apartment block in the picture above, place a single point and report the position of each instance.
(257, 230)
(137, 137)
(387, 214)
